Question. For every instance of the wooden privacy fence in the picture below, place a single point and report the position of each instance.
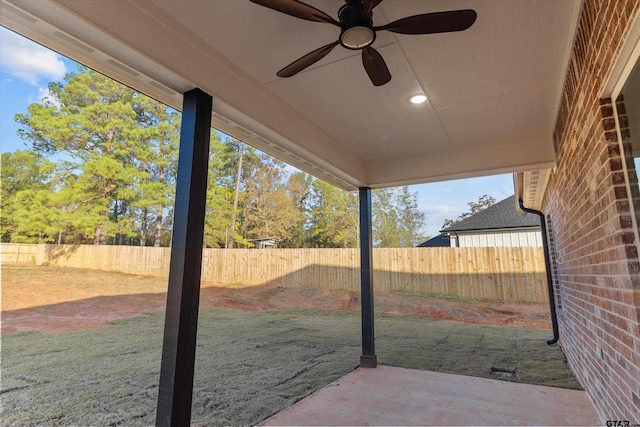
(505, 273)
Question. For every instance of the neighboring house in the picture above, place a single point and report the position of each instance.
(440, 241)
(265, 242)
(500, 224)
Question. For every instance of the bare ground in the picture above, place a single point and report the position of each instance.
(61, 299)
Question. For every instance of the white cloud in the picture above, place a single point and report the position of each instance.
(27, 60)
(436, 214)
(290, 170)
(444, 210)
(45, 95)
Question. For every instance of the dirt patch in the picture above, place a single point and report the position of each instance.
(62, 299)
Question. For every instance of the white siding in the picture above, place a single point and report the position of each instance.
(499, 238)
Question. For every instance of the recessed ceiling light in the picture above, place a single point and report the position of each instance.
(418, 99)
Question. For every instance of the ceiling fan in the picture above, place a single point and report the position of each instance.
(358, 33)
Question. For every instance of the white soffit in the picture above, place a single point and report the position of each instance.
(530, 187)
(493, 90)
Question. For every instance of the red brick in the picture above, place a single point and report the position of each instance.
(597, 269)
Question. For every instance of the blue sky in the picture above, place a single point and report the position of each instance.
(26, 68)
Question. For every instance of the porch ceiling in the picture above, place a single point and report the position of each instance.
(493, 90)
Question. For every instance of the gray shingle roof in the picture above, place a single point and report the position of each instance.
(500, 215)
(436, 242)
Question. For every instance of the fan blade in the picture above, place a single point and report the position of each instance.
(309, 59)
(297, 9)
(430, 23)
(375, 66)
(368, 5)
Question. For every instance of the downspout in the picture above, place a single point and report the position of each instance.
(547, 263)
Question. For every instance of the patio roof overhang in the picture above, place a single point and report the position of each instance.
(529, 186)
(493, 95)
(493, 90)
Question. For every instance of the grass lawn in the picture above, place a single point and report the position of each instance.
(249, 365)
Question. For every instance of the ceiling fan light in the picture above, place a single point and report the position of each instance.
(357, 37)
(418, 99)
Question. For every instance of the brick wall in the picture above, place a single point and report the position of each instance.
(596, 252)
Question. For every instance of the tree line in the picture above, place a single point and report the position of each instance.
(485, 201)
(101, 168)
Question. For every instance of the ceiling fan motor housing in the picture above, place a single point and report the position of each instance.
(357, 31)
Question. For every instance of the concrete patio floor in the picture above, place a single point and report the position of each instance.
(398, 396)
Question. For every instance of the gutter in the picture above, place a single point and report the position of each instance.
(547, 263)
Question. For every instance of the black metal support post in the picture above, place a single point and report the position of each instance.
(183, 297)
(547, 263)
(368, 358)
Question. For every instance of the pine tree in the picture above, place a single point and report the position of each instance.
(219, 195)
(299, 190)
(397, 220)
(28, 181)
(123, 148)
(333, 221)
(268, 210)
